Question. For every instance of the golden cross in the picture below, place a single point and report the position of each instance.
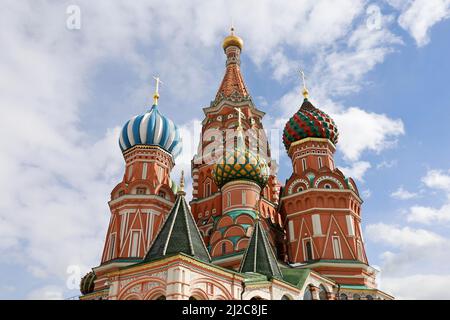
(305, 90)
(156, 95)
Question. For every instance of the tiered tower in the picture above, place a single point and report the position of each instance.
(321, 208)
(233, 175)
(140, 202)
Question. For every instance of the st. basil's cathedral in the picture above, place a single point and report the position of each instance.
(243, 235)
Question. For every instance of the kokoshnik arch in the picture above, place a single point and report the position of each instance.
(244, 235)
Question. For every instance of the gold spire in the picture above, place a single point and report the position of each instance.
(232, 40)
(156, 94)
(305, 91)
(181, 189)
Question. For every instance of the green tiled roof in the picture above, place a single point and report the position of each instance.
(179, 234)
(259, 256)
(297, 277)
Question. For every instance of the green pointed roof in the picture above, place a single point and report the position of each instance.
(178, 234)
(259, 256)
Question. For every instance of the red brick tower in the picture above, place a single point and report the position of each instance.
(141, 201)
(321, 208)
(225, 201)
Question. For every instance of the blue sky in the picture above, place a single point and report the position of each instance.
(380, 68)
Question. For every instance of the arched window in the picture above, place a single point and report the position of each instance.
(369, 297)
(343, 296)
(307, 295)
(308, 249)
(328, 186)
(207, 188)
(161, 298)
(285, 297)
(323, 295)
(356, 297)
(257, 298)
(141, 190)
(193, 298)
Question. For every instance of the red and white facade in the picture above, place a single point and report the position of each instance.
(313, 222)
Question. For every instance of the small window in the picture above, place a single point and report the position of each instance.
(308, 248)
(343, 296)
(369, 297)
(244, 198)
(356, 297)
(307, 295)
(141, 190)
(135, 244)
(207, 189)
(304, 164)
(337, 248)
(323, 295)
(327, 186)
(228, 199)
(224, 248)
(320, 162)
(162, 194)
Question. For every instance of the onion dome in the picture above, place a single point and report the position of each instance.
(87, 283)
(151, 128)
(233, 40)
(309, 122)
(241, 164)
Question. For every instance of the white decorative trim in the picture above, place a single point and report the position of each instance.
(297, 182)
(320, 179)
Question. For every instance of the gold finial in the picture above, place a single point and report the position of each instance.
(305, 91)
(182, 181)
(156, 94)
(232, 40)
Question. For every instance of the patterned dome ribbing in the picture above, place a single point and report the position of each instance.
(309, 122)
(151, 128)
(241, 164)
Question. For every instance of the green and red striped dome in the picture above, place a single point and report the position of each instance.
(309, 122)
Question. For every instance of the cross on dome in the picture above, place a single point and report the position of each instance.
(305, 91)
(156, 94)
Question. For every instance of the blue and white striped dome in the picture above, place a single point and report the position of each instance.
(153, 129)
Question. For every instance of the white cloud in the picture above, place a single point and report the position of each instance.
(403, 194)
(46, 293)
(420, 15)
(418, 286)
(387, 164)
(366, 131)
(437, 179)
(434, 180)
(429, 215)
(402, 237)
(357, 170)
